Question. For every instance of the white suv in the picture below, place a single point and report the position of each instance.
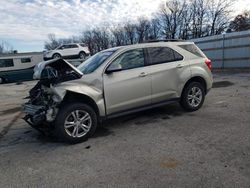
(68, 51)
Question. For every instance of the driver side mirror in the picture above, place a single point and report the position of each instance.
(113, 68)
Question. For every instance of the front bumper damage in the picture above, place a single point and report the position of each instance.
(41, 109)
(35, 116)
(44, 98)
(36, 113)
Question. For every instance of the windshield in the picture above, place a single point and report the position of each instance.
(91, 64)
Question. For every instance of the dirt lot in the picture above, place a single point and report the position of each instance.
(164, 147)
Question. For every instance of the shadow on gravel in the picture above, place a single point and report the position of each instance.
(10, 111)
(102, 132)
(9, 125)
(222, 84)
(148, 116)
(106, 129)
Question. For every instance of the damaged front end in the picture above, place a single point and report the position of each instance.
(43, 100)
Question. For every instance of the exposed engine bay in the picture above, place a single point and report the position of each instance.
(43, 101)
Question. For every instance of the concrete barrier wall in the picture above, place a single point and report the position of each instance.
(230, 50)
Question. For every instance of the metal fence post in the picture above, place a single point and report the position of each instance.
(223, 50)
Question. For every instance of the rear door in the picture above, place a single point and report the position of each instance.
(168, 71)
(68, 50)
(129, 88)
(73, 50)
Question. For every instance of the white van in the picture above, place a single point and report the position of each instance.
(18, 67)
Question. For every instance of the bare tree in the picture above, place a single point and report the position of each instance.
(5, 47)
(142, 29)
(171, 16)
(184, 19)
(154, 31)
(198, 12)
(219, 15)
(130, 33)
(184, 26)
(119, 35)
(88, 38)
(52, 42)
(97, 39)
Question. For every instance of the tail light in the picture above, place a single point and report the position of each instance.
(209, 63)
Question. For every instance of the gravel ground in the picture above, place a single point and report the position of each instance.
(163, 147)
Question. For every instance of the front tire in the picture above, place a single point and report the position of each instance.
(75, 122)
(193, 96)
(1, 80)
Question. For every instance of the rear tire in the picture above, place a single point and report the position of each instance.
(75, 122)
(193, 96)
(57, 56)
(82, 55)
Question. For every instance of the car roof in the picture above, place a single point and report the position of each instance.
(150, 44)
(69, 44)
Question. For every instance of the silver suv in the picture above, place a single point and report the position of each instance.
(73, 101)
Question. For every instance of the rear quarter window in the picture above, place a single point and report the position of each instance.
(83, 45)
(192, 49)
(159, 55)
(6, 63)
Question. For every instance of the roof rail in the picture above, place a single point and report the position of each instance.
(163, 40)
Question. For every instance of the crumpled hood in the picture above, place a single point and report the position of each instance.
(62, 67)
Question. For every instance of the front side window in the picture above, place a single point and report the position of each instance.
(61, 47)
(91, 64)
(66, 47)
(25, 60)
(6, 63)
(159, 55)
(130, 59)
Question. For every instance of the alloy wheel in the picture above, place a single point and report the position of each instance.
(78, 123)
(194, 96)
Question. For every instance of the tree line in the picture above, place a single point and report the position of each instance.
(175, 19)
(5, 47)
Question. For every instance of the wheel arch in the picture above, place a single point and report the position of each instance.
(56, 53)
(83, 52)
(79, 97)
(3, 79)
(198, 79)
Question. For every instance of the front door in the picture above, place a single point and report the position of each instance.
(130, 87)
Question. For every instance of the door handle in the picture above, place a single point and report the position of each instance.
(179, 66)
(143, 74)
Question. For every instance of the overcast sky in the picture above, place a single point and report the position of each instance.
(25, 23)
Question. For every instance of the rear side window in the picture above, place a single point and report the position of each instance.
(6, 63)
(159, 55)
(25, 60)
(73, 46)
(65, 46)
(192, 49)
